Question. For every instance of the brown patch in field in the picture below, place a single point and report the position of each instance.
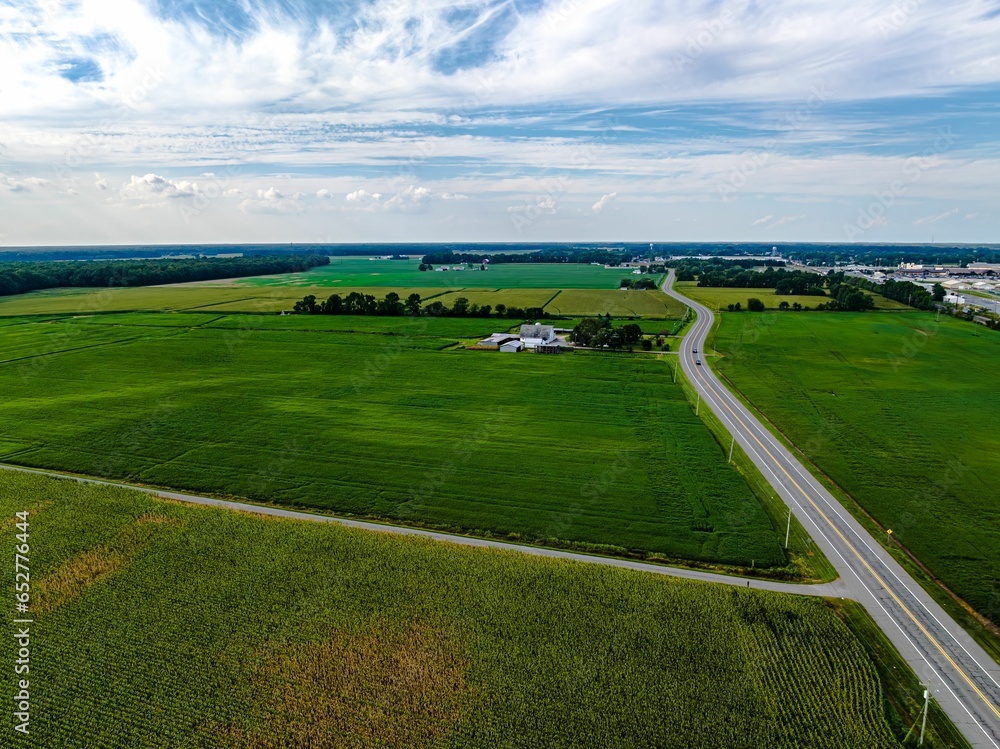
(74, 576)
(388, 687)
(153, 517)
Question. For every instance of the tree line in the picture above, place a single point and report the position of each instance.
(21, 277)
(392, 305)
(598, 332)
(692, 268)
(639, 284)
(801, 283)
(562, 255)
(905, 292)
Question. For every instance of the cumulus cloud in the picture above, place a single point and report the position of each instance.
(20, 184)
(154, 188)
(273, 201)
(363, 197)
(413, 198)
(604, 202)
(100, 182)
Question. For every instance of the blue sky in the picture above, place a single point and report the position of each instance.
(493, 120)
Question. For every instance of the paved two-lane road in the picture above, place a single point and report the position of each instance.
(963, 678)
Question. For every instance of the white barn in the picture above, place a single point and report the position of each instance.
(536, 335)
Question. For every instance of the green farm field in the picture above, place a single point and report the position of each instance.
(161, 624)
(352, 272)
(900, 410)
(393, 421)
(716, 297)
(271, 300)
(618, 303)
(174, 298)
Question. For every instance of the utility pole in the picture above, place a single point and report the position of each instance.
(697, 405)
(731, 449)
(788, 528)
(923, 724)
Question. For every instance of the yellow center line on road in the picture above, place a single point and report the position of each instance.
(705, 381)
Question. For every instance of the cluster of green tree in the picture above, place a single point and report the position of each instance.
(847, 298)
(691, 268)
(905, 292)
(639, 284)
(598, 332)
(561, 255)
(18, 278)
(756, 305)
(392, 305)
(781, 280)
(428, 266)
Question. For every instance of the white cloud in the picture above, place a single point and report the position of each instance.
(21, 184)
(363, 197)
(153, 187)
(100, 182)
(604, 202)
(274, 201)
(542, 207)
(770, 222)
(937, 217)
(324, 194)
(412, 199)
(787, 220)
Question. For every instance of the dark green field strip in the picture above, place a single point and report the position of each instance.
(150, 319)
(48, 340)
(402, 326)
(595, 450)
(233, 300)
(900, 411)
(170, 625)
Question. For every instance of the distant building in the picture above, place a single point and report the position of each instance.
(954, 299)
(511, 347)
(534, 335)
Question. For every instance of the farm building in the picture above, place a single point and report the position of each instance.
(534, 335)
(511, 347)
(554, 347)
(496, 340)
